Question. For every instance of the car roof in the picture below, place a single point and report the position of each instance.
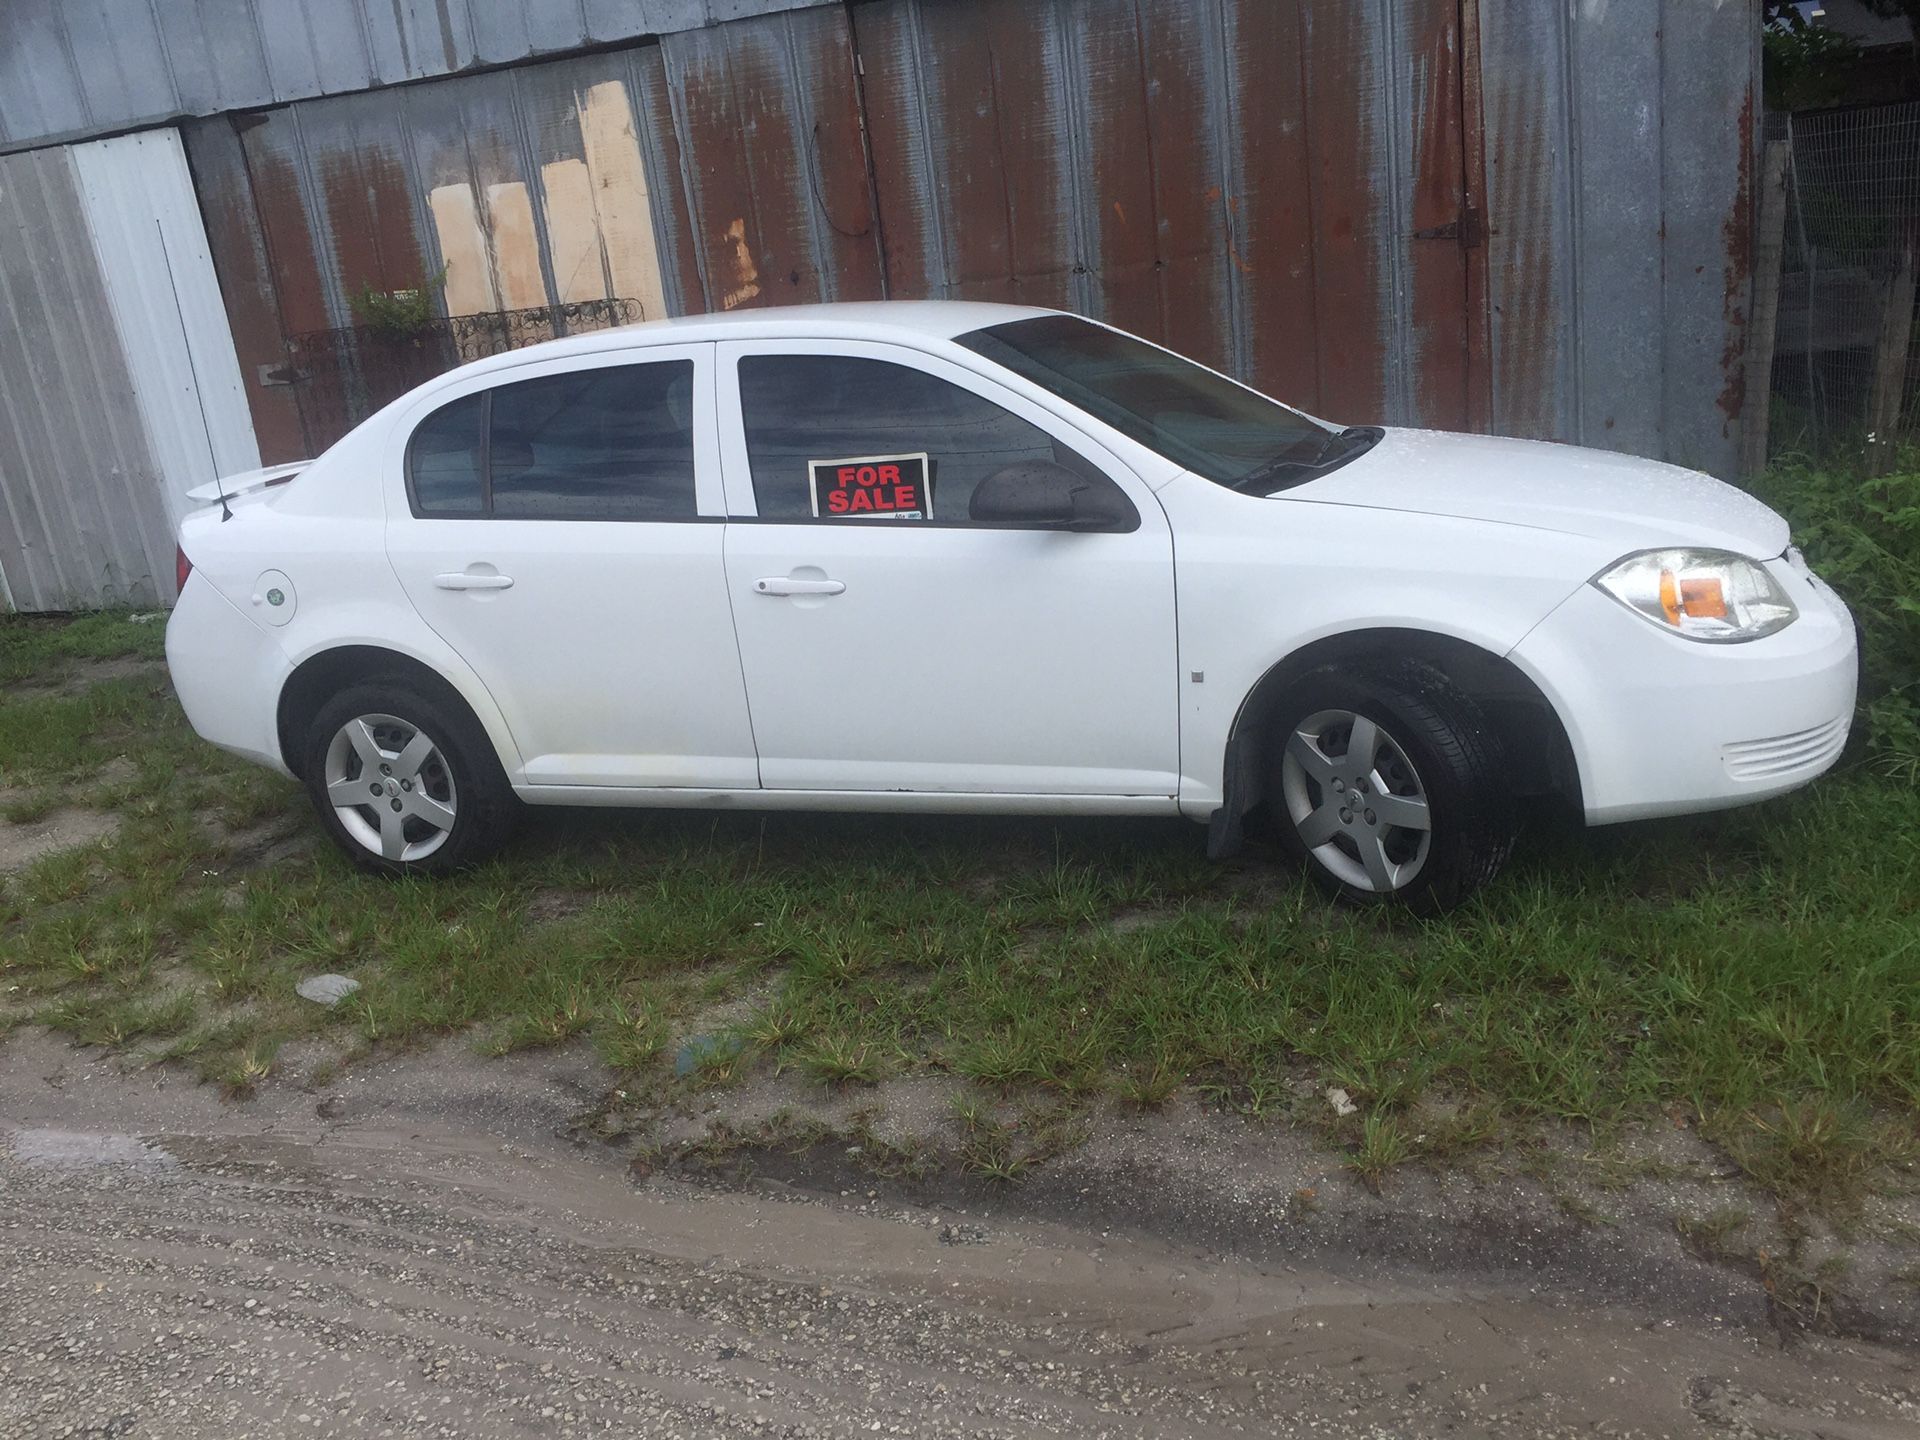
(842, 320)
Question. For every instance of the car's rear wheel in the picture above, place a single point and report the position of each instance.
(1390, 785)
(404, 781)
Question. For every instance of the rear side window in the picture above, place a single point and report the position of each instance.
(612, 443)
(444, 461)
(809, 416)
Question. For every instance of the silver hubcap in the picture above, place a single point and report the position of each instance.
(390, 786)
(1356, 801)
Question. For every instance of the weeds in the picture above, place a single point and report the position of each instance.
(1755, 972)
(1863, 536)
(838, 1060)
(1383, 1145)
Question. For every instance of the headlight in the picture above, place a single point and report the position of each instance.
(1702, 594)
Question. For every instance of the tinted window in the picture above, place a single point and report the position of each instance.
(444, 460)
(1184, 411)
(613, 443)
(802, 409)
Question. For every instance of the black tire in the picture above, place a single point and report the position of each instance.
(1440, 753)
(462, 773)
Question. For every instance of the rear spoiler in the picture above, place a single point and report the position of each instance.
(246, 481)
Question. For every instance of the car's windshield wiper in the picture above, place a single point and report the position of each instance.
(1339, 447)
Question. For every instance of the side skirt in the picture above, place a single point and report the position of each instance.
(927, 802)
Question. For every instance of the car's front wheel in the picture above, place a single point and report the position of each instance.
(1390, 785)
(404, 781)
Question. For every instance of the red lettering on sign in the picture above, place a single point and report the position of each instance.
(888, 487)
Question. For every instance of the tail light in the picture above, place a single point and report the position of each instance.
(182, 568)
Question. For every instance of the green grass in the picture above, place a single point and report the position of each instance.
(1757, 970)
(43, 650)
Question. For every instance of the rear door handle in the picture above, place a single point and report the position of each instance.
(787, 585)
(461, 580)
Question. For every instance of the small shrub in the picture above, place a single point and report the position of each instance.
(1863, 536)
(399, 313)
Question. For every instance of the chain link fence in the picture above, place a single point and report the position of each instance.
(1845, 376)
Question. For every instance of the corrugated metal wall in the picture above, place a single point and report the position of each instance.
(70, 69)
(529, 187)
(1619, 151)
(144, 220)
(1241, 180)
(1493, 214)
(111, 366)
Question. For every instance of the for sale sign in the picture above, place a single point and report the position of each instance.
(872, 487)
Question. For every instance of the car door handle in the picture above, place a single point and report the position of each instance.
(461, 580)
(787, 585)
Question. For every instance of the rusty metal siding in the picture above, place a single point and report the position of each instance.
(117, 388)
(1619, 147)
(70, 70)
(248, 285)
(1617, 205)
(1531, 223)
(1238, 179)
(1491, 214)
(520, 189)
(771, 164)
(1709, 149)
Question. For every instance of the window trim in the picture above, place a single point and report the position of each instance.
(486, 393)
(732, 403)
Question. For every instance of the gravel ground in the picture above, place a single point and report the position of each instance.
(414, 1252)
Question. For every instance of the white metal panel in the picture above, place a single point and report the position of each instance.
(81, 518)
(152, 249)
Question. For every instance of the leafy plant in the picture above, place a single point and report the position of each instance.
(1863, 536)
(400, 313)
(1804, 64)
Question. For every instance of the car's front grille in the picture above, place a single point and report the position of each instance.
(1781, 755)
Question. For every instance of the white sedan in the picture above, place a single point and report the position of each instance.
(954, 557)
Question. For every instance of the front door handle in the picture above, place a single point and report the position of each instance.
(462, 580)
(787, 585)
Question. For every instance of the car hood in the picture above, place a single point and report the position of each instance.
(1627, 502)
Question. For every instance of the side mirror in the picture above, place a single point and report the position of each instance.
(1041, 495)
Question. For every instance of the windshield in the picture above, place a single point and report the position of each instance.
(1181, 410)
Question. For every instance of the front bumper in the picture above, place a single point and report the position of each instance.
(228, 673)
(1662, 725)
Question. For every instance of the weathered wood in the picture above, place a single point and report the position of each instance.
(1890, 367)
(1769, 248)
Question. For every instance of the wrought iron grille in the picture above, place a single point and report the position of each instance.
(340, 377)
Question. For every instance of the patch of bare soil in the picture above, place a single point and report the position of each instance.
(1658, 1219)
(23, 843)
(76, 677)
(263, 846)
(410, 1250)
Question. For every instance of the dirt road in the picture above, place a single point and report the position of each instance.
(414, 1252)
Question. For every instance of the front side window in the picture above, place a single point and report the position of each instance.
(840, 437)
(1199, 420)
(610, 443)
